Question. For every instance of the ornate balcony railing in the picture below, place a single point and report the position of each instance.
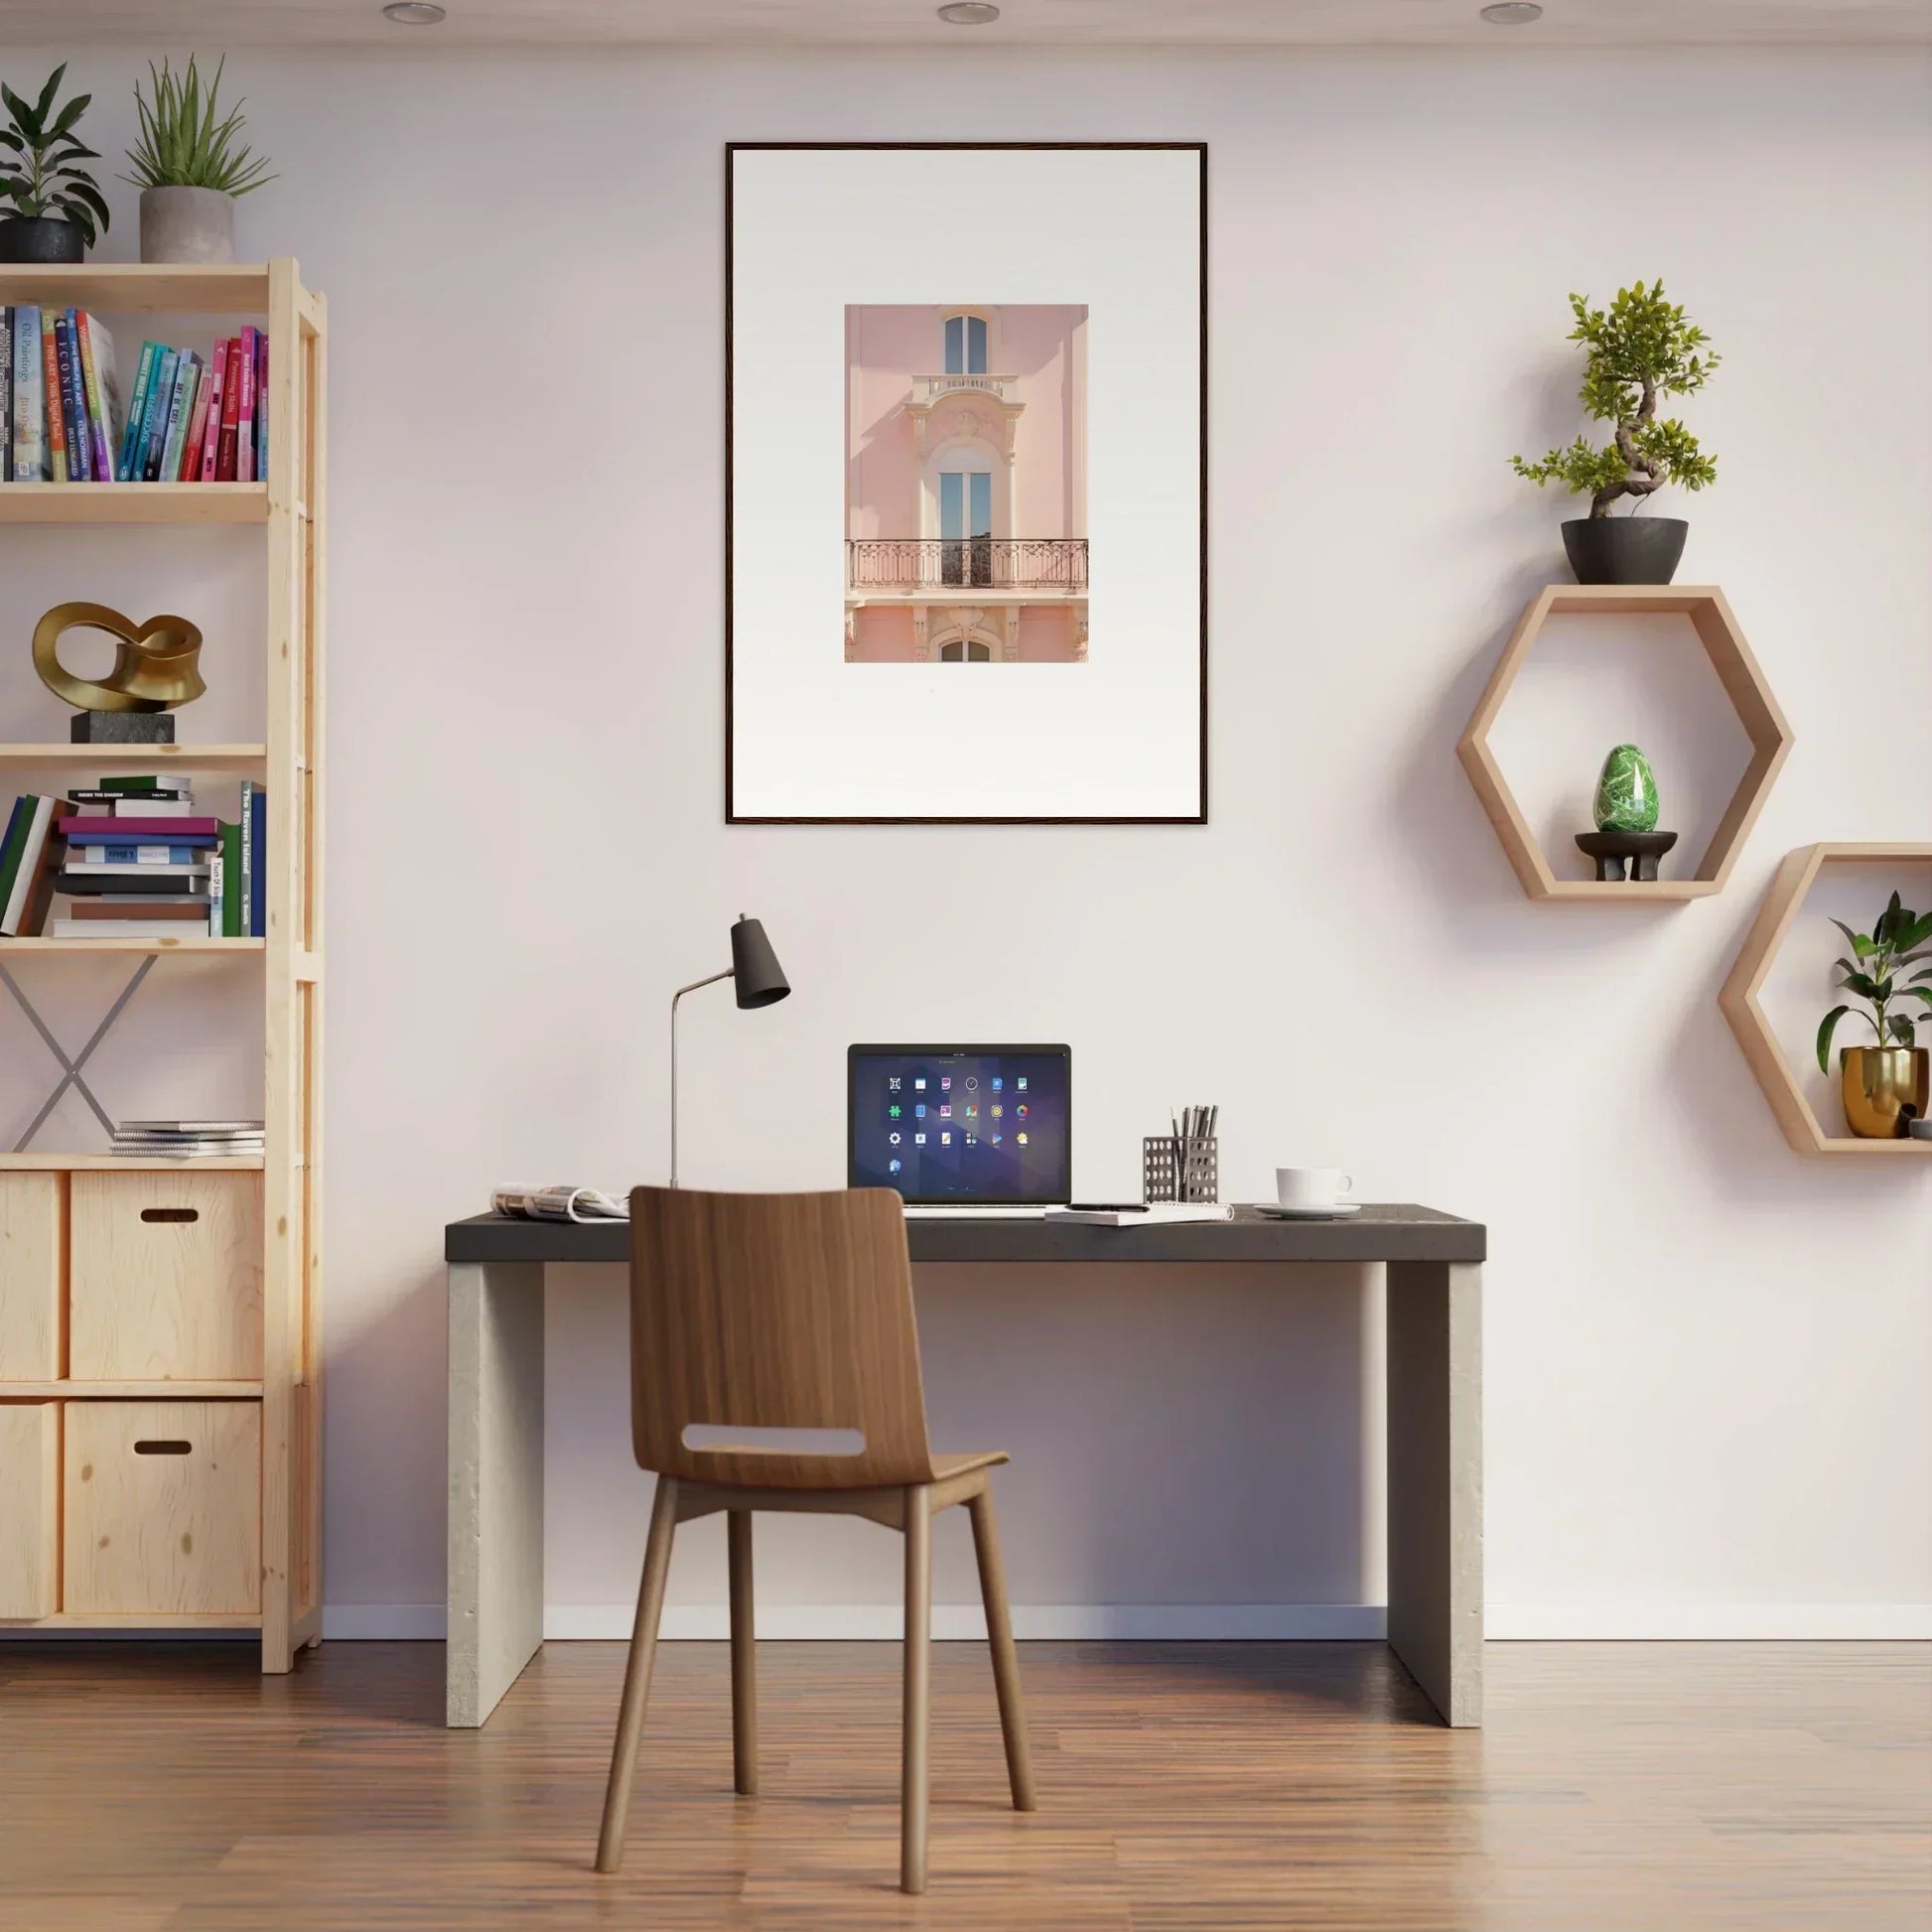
(927, 389)
(967, 563)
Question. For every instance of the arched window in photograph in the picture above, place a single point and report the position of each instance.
(965, 650)
(965, 346)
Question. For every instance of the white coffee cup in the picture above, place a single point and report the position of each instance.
(1311, 1187)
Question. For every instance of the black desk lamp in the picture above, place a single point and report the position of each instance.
(759, 981)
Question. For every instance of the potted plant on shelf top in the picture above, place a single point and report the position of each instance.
(1637, 351)
(1886, 1086)
(52, 211)
(189, 168)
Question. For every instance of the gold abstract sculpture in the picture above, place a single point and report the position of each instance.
(154, 662)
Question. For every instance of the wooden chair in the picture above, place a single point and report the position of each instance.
(794, 1312)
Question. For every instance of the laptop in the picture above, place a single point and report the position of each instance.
(962, 1130)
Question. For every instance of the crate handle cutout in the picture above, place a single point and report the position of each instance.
(164, 1446)
(773, 1441)
(171, 1214)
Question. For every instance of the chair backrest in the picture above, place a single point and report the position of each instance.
(774, 1311)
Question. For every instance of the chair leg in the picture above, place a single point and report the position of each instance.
(636, 1675)
(745, 1669)
(918, 1711)
(1006, 1660)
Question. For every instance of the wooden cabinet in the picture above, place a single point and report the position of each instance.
(162, 1508)
(33, 1235)
(30, 1502)
(166, 1276)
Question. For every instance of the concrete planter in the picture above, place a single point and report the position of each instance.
(186, 225)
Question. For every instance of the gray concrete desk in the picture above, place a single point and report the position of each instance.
(1435, 1407)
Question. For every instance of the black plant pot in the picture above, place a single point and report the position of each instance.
(41, 238)
(1624, 549)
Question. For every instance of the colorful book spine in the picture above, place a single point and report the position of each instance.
(161, 396)
(230, 416)
(258, 864)
(244, 463)
(217, 391)
(6, 396)
(17, 822)
(154, 831)
(30, 444)
(103, 391)
(56, 418)
(224, 882)
(137, 403)
(134, 854)
(33, 882)
(179, 410)
(190, 466)
(73, 401)
(261, 406)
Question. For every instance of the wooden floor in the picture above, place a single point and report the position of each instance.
(1631, 1788)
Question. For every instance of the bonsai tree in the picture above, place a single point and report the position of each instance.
(37, 150)
(185, 141)
(1639, 350)
(1899, 940)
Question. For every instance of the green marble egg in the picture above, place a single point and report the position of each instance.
(1626, 793)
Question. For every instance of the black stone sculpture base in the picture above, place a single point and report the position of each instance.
(1611, 850)
(122, 728)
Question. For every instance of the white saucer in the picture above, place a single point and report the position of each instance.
(1340, 1210)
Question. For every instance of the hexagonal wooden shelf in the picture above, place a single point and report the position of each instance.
(1744, 683)
(1739, 998)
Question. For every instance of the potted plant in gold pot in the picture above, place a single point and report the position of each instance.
(1887, 1085)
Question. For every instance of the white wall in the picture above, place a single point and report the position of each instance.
(1707, 1358)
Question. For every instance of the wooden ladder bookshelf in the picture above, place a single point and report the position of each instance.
(47, 1494)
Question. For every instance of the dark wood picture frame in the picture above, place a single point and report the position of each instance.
(734, 148)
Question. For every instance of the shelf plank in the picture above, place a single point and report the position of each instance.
(138, 1620)
(203, 944)
(131, 1391)
(118, 502)
(130, 287)
(1630, 889)
(1896, 1150)
(29, 1162)
(202, 758)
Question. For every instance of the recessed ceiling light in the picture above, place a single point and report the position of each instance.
(414, 13)
(1512, 13)
(969, 13)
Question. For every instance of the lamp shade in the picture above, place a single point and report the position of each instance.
(756, 977)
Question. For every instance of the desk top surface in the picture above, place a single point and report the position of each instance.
(1382, 1231)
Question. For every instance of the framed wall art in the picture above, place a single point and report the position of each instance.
(966, 482)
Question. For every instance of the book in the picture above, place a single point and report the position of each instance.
(34, 876)
(224, 456)
(149, 783)
(118, 805)
(257, 848)
(178, 831)
(217, 391)
(143, 882)
(73, 405)
(261, 406)
(134, 855)
(154, 425)
(30, 444)
(244, 469)
(141, 929)
(103, 391)
(137, 403)
(57, 429)
(199, 1129)
(229, 893)
(1158, 1215)
(116, 907)
(187, 377)
(16, 836)
(6, 394)
(189, 466)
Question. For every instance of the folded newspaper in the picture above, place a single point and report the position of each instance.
(558, 1204)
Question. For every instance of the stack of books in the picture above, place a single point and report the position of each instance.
(137, 862)
(187, 420)
(188, 1140)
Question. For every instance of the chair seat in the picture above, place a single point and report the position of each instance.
(946, 1467)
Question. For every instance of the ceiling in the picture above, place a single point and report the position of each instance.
(1068, 23)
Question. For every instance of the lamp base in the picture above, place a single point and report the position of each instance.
(122, 728)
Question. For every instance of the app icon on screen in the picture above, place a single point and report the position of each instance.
(918, 1085)
(892, 1083)
(1021, 1138)
(993, 1137)
(998, 1110)
(894, 1167)
(997, 1083)
(945, 1083)
(1021, 1110)
(945, 1111)
(972, 1111)
(970, 1141)
(919, 1110)
(945, 1140)
(919, 1140)
(1020, 1084)
(894, 1110)
(972, 1080)
(892, 1138)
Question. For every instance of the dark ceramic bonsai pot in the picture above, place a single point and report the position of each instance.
(1624, 549)
(43, 238)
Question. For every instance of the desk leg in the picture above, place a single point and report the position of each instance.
(495, 1609)
(1435, 1349)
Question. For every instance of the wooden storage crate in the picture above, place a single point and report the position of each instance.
(33, 1239)
(162, 1508)
(166, 1276)
(30, 1506)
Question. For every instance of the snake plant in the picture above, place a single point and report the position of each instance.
(184, 142)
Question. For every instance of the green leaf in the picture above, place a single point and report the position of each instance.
(1903, 1031)
(1862, 984)
(1827, 1027)
(1858, 943)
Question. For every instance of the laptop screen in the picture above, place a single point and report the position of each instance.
(966, 1124)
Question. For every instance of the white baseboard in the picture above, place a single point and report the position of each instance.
(1708, 1622)
(384, 1623)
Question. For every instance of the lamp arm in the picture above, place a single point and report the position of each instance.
(675, 998)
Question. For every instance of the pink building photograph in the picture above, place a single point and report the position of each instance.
(966, 484)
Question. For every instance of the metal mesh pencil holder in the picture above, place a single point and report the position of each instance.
(1173, 1170)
